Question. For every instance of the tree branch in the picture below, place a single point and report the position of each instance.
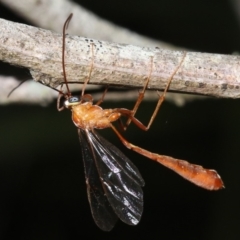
(116, 64)
(87, 23)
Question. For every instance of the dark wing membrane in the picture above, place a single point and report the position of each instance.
(102, 212)
(120, 179)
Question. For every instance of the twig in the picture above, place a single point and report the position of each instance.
(86, 23)
(116, 64)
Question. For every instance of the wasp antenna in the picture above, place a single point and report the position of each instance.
(16, 88)
(65, 26)
(68, 20)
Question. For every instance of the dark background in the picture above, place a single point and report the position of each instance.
(42, 185)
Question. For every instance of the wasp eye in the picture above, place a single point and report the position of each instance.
(74, 99)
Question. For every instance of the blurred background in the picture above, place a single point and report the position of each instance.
(42, 183)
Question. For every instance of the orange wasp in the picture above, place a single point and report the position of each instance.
(114, 184)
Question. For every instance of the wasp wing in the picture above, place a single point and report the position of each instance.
(102, 212)
(119, 178)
